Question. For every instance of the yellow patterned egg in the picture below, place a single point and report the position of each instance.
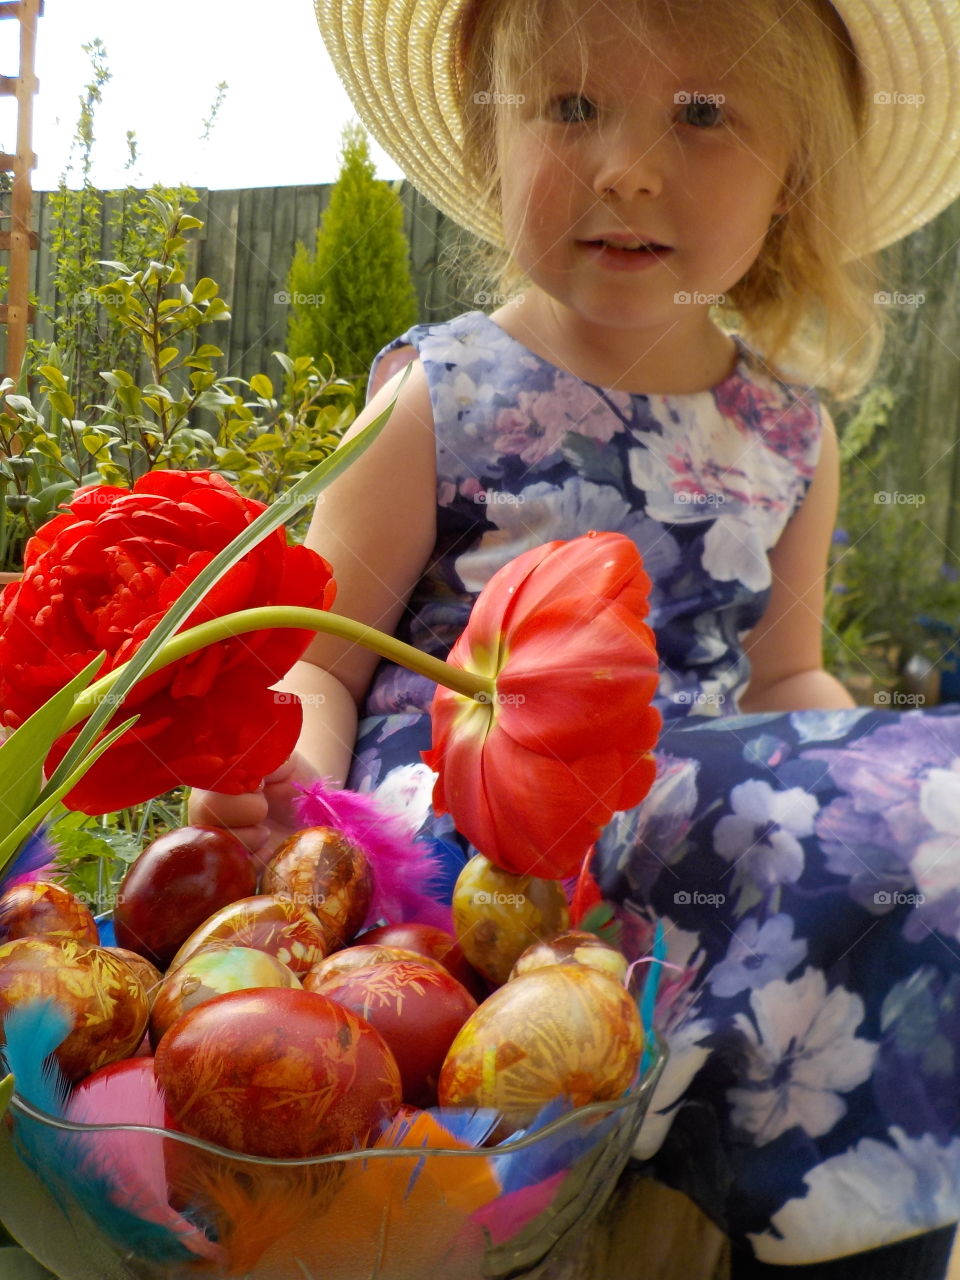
(563, 1031)
(103, 996)
(575, 947)
(497, 915)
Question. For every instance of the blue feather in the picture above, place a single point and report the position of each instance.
(65, 1160)
(35, 852)
(32, 1031)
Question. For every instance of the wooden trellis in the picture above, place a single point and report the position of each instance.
(18, 240)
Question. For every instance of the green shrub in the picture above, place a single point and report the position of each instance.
(355, 292)
(890, 585)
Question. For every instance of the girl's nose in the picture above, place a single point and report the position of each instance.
(629, 164)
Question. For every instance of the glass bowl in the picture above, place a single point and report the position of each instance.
(390, 1212)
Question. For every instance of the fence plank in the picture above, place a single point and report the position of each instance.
(249, 237)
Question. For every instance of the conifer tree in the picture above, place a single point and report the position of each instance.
(355, 292)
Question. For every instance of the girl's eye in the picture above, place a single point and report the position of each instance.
(702, 111)
(573, 108)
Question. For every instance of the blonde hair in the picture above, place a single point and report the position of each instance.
(807, 302)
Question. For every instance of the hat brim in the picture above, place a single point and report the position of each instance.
(397, 60)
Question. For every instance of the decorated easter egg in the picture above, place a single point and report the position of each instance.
(359, 956)
(176, 883)
(210, 973)
(103, 997)
(266, 922)
(321, 870)
(418, 1008)
(430, 941)
(563, 1031)
(277, 1072)
(40, 907)
(574, 947)
(148, 973)
(497, 915)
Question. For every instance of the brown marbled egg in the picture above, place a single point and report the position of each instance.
(320, 869)
(266, 922)
(42, 908)
(99, 991)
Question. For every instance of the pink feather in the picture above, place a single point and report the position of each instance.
(507, 1216)
(404, 870)
(130, 1165)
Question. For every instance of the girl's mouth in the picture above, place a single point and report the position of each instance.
(629, 246)
(625, 253)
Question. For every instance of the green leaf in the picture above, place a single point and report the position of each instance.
(6, 1093)
(167, 355)
(23, 753)
(189, 223)
(93, 441)
(205, 289)
(22, 405)
(118, 378)
(280, 512)
(261, 385)
(285, 361)
(53, 375)
(232, 459)
(63, 403)
(207, 351)
(52, 795)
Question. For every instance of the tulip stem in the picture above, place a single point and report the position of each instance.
(480, 688)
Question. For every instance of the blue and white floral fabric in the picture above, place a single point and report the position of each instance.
(806, 866)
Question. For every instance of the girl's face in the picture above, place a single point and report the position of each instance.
(636, 193)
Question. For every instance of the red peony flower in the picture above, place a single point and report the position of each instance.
(532, 776)
(101, 576)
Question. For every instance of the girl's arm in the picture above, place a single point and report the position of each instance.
(376, 525)
(785, 647)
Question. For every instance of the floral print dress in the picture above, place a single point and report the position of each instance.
(804, 865)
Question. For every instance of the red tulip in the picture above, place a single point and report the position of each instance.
(99, 577)
(531, 776)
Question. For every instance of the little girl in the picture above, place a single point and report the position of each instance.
(680, 196)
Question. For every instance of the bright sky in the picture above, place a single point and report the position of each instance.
(279, 124)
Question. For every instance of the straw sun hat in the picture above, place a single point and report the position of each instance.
(397, 59)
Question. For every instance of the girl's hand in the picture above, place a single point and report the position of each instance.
(260, 819)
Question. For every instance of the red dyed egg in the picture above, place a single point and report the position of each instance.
(417, 1008)
(99, 991)
(277, 1072)
(40, 907)
(279, 926)
(177, 882)
(321, 870)
(359, 956)
(428, 940)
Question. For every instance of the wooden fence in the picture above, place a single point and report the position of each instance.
(249, 236)
(247, 244)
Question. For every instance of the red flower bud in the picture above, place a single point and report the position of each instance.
(531, 777)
